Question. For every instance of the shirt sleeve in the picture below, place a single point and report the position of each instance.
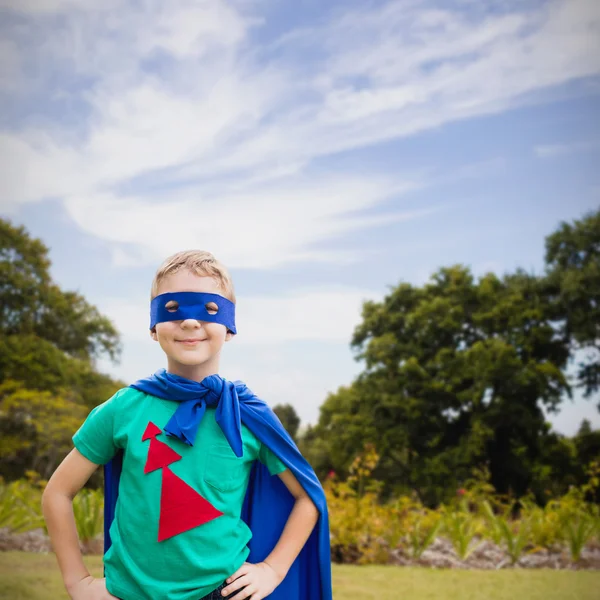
(267, 458)
(95, 438)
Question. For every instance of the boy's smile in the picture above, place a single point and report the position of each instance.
(191, 341)
(192, 347)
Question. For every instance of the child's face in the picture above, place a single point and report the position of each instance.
(192, 347)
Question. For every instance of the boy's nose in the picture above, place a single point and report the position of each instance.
(191, 323)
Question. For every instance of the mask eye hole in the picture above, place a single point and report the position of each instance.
(172, 306)
(211, 308)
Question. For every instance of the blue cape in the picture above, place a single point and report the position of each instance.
(268, 503)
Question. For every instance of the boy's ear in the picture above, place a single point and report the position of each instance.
(153, 334)
(228, 336)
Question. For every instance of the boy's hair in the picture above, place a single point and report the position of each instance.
(200, 263)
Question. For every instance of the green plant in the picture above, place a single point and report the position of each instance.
(20, 505)
(88, 512)
(578, 530)
(544, 523)
(512, 534)
(492, 519)
(421, 532)
(461, 527)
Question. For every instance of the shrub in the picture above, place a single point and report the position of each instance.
(461, 527)
(88, 508)
(20, 504)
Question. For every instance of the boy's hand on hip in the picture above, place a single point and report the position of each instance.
(90, 588)
(254, 581)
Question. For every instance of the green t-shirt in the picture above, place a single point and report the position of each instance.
(191, 564)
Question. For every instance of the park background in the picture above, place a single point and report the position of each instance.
(407, 196)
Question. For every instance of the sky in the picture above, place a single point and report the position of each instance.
(324, 151)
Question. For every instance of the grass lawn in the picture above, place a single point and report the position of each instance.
(25, 576)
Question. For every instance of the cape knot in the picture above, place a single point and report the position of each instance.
(214, 385)
(194, 397)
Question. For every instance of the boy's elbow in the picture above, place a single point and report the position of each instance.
(311, 507)
(52, 492)
(47, 501)
(49, 495)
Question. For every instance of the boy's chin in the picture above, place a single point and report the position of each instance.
(189, 360)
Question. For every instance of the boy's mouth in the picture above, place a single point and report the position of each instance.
(190, 341)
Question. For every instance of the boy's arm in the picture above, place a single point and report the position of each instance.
(297, 530)
(261, 579)
(57, 506)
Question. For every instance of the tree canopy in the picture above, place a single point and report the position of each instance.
(289, 418)
(573, 280)
(32, 304)
(49, 340)
(458, 373)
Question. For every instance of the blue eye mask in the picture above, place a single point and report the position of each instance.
(192, 305)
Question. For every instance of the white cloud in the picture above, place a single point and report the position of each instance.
(264, 226)
(233, 130)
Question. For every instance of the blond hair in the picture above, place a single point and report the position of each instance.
(200, 263)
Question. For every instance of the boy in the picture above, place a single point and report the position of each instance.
(206, 496)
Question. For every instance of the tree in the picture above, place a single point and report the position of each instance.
(455, 375)
(31, 304)
(573, 280)
(288, 417)
(587, 442)
(585, 428)
(36, 428)
(40, 365)
(49, 339)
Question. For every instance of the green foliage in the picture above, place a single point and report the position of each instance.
(364, 529)
(573, 282)
(40, 365)
(88, 508)
(49, 339)
(544, 524)
(422, 527)
(457, 373)
(461, 528)
(30, 303)
(510, 533)
(288, 417)
(21, 507)
(20, 504)
(578, 518)
(578, 530)
(343, 429)
(38, 424)
(357, 520)
(316, 451)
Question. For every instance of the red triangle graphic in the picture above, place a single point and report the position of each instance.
(151, 432)
(181, 507)
(160, 455)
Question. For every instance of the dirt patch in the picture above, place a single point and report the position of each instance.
(37, 541)
(484, 554)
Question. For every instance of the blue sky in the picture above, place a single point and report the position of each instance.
(323, 151)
